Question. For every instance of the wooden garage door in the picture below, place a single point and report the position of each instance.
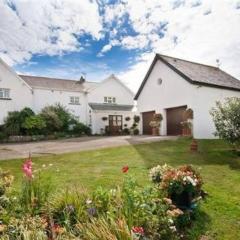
(146, 118)
(174, 119)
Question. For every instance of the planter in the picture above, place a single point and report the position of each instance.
(155, 131)
(186, 132)
(182, 200)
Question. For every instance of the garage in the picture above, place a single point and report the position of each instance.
(146, 119)
(174, 119)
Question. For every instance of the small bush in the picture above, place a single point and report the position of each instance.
(136, 131)
(136, 119)
(14, 122)
(34, 125)
(81, 129)
(126, 131)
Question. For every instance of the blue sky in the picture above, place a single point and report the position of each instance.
(70, 38)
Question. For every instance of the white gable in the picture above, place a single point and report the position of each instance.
(20, 94)
(111, 87)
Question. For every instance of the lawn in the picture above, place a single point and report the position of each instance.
(219, 166)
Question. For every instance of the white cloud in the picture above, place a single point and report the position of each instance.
(203, 33)
(198, 30)
(51, 27)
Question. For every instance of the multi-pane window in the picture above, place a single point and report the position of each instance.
(4, 93)
(109, 100)
(74, 100)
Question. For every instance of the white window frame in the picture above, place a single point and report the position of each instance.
(110, 100)
(74, 100)
(4, 93)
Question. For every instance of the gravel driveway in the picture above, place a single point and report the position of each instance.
(21, 150)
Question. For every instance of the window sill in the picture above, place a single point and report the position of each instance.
(74, 104)
(5, 99)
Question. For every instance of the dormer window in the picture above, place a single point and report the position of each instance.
(4, 93)
(109, 100)
(74, 100)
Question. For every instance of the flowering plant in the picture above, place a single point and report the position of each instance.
(182, 185)
(27, 168)
(182, 179)
(125, 169)
(156, 173)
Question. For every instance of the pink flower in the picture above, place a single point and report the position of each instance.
(125, 169)
(27, 168)
(138, 230)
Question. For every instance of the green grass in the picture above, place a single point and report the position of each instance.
(219, 166)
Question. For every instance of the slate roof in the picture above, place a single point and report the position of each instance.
(195, 73)
(58, 84)
(110, 107)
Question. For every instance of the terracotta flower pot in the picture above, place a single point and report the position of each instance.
(186, 132)
(155, 131)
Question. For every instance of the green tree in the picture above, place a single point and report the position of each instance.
(226, 117)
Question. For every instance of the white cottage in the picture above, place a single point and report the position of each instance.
(172, 85)
(101, 105)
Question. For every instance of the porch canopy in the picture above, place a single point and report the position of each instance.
(110, 107)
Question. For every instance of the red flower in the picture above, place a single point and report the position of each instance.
(125, 169)
(138, 230)
(27, 168)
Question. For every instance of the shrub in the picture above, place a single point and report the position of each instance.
(14, 122)
(64, 115)
(136, 131)
(81, 129)
(67, 207)
(182, 185)
(3, 136)
(104, 118)
(136, 119)
(53, 122)
(126, 131)
(34, 125)
(57, 118)
(226, 117)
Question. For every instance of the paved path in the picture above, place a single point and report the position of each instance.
(21, 150)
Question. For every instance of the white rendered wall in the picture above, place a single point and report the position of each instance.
(111, 88)
(176, 91)
(98, 123)
(20, 93)
(204, 99)
(173, 92)
(45, 97)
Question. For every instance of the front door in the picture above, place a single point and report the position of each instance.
(115, 124)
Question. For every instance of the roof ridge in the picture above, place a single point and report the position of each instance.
(185, 60)
(66, 79)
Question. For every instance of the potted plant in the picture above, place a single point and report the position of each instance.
(155, 124)
(186, 128)
(187, 123)
(127, 119)
(182, 185)
(104, 118)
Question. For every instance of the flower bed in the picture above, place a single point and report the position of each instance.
(127, 211)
